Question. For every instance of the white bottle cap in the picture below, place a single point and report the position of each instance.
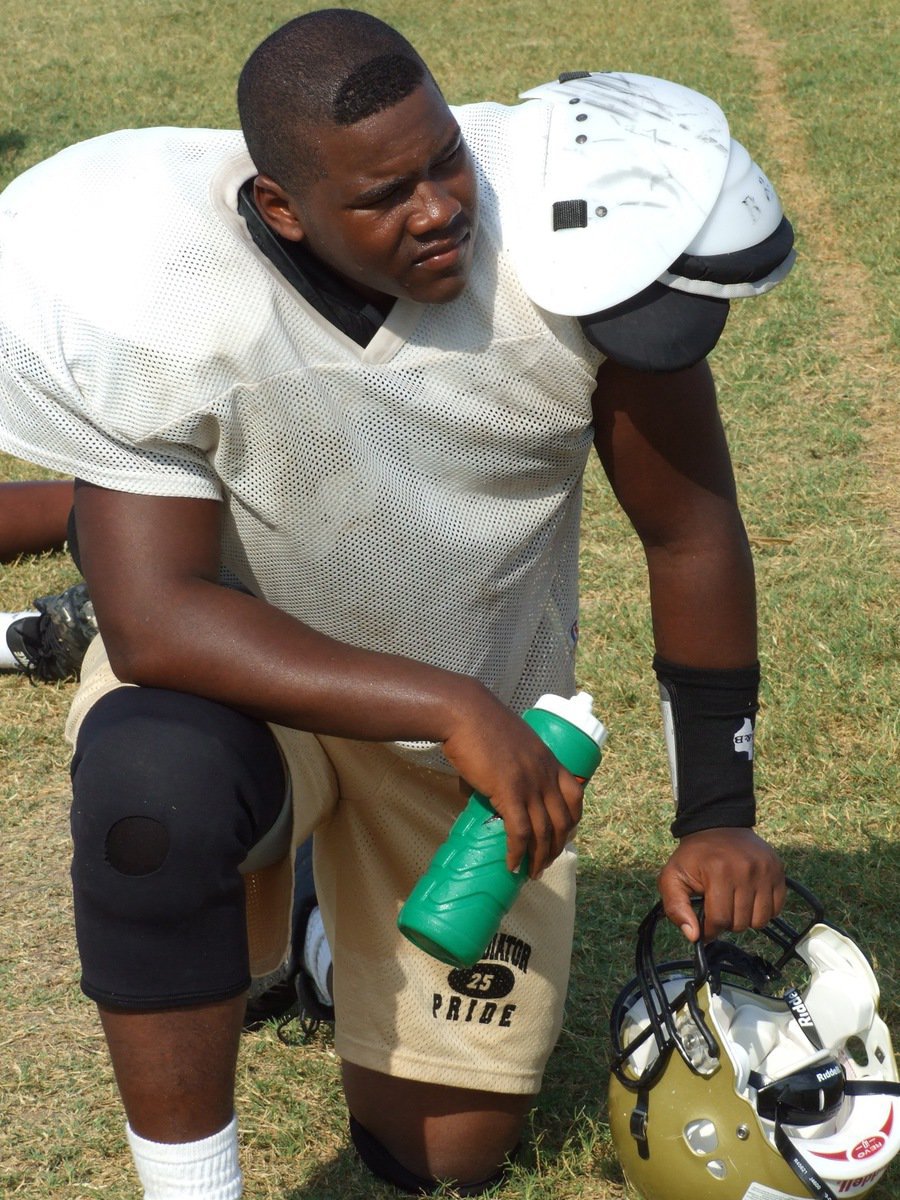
(578, 711)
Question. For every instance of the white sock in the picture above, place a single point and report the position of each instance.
(317, 956)
(7, 662)
(203, 1170)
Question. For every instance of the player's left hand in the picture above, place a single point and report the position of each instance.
(739, 876)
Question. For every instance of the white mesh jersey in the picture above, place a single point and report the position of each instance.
(419, 496)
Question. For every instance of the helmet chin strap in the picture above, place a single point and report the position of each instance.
(801, 1167)
(803, 1017)
(785, 1114)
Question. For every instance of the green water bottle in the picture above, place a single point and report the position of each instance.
(457, 906)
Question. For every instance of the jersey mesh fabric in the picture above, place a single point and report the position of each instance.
(417, 496)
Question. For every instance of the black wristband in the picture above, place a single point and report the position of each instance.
(709, 718)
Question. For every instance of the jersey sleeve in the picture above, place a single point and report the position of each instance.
(45, 419)
(117, 351)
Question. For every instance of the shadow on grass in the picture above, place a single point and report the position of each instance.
(570, 1124)
(12, 142)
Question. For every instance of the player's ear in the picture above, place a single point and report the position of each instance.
(277, 208)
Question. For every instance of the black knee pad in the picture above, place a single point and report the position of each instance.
(170, 791)
(383, 1165)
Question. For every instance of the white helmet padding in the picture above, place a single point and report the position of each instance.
(622, 183)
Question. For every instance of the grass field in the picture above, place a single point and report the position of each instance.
(809, 384)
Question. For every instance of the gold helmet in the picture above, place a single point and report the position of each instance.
(723, 1088)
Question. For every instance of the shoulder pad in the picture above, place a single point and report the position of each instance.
(634, 209)
(613, 176)
(745, 246)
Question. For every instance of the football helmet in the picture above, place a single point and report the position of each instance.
(740, 1075)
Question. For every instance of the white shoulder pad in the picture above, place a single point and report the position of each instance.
(746, 213)
(613, 176)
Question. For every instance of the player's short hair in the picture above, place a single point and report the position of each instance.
(334, 66)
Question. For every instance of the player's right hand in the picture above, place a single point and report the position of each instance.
(501, 757)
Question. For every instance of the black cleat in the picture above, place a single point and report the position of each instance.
(51, 646)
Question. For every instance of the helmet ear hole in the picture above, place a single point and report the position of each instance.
(856, 1048)
(701, 1137)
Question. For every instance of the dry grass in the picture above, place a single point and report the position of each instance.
(808, 382)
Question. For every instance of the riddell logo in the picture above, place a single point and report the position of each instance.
(831, 1073)
(868, 1147)
(849, 1187)
(794, 1001)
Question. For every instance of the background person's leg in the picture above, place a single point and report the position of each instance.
(33, 516)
